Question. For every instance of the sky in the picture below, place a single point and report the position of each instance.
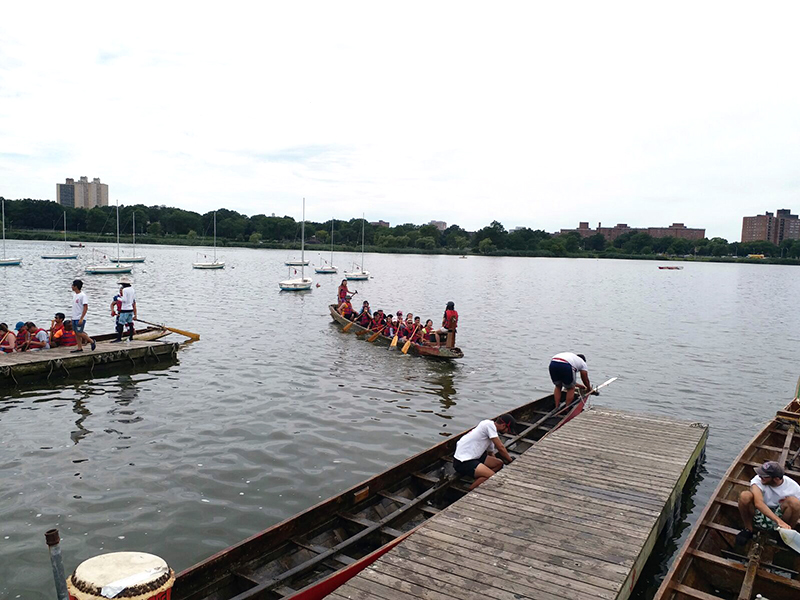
(535, 114)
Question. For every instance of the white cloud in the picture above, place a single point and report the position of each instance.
(538, 114)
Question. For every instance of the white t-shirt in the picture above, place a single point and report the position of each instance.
(476, 442)
(577, 363)
(128, 297)
(78, 302)
(42, 336)
(774, 494)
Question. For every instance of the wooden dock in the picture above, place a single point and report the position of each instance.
(574, 517)
(61, 362)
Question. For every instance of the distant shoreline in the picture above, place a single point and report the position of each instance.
(176, 240)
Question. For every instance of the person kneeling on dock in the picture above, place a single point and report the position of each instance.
(563, 368)
(472, 455)
(773, 501)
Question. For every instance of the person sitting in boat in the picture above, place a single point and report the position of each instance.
(56, 329)
(416, 331)
(378, 319)
(449, 324)
(346, 309)
(343, 291)
(389, 326)
(474, 454)
(773, 501)
(428, 333)
(23, 337)
(403, 331)
(8, 341)
(68, 337)
(563, 370)
(364, 318)
(39, 340)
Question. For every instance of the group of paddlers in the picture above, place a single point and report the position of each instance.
(410, 328)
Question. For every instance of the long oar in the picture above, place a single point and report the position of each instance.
(375, 335)
(189, 334)
(407, 345)
(602, 385)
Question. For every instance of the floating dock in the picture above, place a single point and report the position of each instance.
(61, 362)
(574, 517)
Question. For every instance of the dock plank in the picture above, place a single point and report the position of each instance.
(574, 517)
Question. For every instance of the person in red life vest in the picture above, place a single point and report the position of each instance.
(389, 328)
(416, 337)
(343, 291)
(56, 328)
(428, 332)
(403, 331)
(377, 321)
(68, 337)
(346, 309)
(364, 318)
(39, 339)
(8, 340)
(23, 337)
(449, 325)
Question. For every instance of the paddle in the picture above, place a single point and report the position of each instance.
(602, 385)
(374, 336)
(189, 334)
(395, 338)
(407, 345)
(348, 326)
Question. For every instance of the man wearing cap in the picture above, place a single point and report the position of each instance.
(127, 309)
(472, 456)
(23, 337)
(563, 370)
(773, 501)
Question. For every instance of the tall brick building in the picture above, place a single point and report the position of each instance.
(771, 228)
(83, 193)
(676, 230)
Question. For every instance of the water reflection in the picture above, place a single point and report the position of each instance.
(443, 382)
(80, 408)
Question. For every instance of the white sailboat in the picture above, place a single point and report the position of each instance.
(360, 274)
(66, 255)
(134, 258)
(7, 262)
(330, 268)
(101, 269)
(303, 283)
(215, 264)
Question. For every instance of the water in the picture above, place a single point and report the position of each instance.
(275, 409)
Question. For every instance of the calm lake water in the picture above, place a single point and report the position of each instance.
(275, 408)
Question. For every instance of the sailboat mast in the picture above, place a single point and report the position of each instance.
(4, 228)
(134, 232)
(65, 231)
(362, 242)
(332, 220)
(303, 243)
(215, 236)
(118, 230)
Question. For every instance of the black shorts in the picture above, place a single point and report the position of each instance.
(468, 466)
(561, 373)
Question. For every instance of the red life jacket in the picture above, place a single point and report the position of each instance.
(347, 309)
(450, 320)
(68, 338)
(33, 338)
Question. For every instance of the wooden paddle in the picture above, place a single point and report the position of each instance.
(348, 326)
(407, 345)
(189, 334)
(395, 338)
(375, 335)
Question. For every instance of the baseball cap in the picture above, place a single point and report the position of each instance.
(19, 325)
(508, 420)
(770, 469)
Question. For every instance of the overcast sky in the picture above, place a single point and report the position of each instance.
(538, 114)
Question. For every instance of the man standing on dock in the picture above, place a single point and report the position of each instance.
(80, 306)
(127, 309)
(773, 501)
(472, 450)
(563, 370)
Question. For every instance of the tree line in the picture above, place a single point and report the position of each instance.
(158, 222)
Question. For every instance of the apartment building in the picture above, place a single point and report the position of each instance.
(82, 193)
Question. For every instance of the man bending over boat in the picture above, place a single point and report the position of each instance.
(773, 501)
(472, 456)
(563, 370)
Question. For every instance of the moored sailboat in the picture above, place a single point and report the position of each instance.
(133, 258)
(101, 269)
(359, 274)
(215, 264)
(303, 283)
(65, 255)
(329, 268)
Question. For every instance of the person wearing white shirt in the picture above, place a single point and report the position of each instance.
(563, 370)
(773, 501)
(80, 306)
(127, 309)
(474, 454)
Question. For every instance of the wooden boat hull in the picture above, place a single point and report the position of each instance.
(149, 334)
(430, 351)
(307, 556)
(709, 564)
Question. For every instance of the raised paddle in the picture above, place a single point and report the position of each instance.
(407, 345)
(189, 334)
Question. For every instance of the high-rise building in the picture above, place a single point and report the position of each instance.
(83, 193)
(771, 227)
(440, 225)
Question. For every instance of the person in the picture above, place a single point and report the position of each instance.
(377, 321)
(68, 337)
(449, 325)
(773, 501)
(474, 454)
(364, 318)
(389, 328)
(428, 333)
(39, 340)
(56, 329)
(23, 337)
(416, 337)
(127, 309)
(346, 309)
(80, 306)
(343, 292)
(563, 368)
(116, 305)
(8, 340)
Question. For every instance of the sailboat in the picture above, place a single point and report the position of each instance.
(7, 262)
(304, 283)
(361, 274)
(215, 264)
(329, 269)
(99, 269)
(66, 255)
(134, 258)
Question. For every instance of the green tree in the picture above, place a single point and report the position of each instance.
(428, 243)
(596, 242)
(155, 229)
(255, 238)
(192, 234)
(322, 236)
(485, 246)
(572, 242)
